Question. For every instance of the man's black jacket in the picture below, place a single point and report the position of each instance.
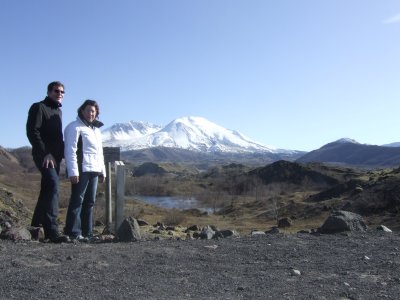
(44, 130)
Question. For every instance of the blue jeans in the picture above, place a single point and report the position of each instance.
(46, 210)
(80, 209)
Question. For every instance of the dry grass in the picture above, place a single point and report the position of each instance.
(257, 208)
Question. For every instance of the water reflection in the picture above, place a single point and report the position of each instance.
(174, 202)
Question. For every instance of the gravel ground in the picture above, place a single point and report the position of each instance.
(353, 266)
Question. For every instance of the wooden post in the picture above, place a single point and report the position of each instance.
(120, 193)
(111, 154)
(108, 195)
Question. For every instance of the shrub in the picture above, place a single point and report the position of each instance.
(175, 217)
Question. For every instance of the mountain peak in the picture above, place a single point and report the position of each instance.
(192, 133)
(346, 140)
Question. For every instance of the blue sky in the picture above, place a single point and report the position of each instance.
(290, 74)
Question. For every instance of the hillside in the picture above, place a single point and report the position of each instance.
(354, 154)
(243, 196)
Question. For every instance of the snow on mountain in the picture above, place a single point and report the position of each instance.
(128, 131)
(193, 133)
(346, 140)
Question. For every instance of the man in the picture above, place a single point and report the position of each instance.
(44, 131)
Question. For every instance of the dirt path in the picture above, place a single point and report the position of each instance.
(359, 266)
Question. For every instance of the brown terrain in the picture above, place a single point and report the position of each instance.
(170, 264)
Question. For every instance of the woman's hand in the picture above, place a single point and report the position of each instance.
(74, 179)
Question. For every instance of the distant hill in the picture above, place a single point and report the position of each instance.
(8, 162)
(349, 152)
(395, 144)
(178, 155)
(293, 173)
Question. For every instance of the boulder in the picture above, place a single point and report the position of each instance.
(273, 230)
(341, 221)
(383, 228)
(285, 222)
(193, 228)
(16, 233)
(37, 233)
(207, 233)
(229, 233)
(142, 222)
(129, 230)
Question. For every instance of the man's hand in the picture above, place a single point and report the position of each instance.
(102, 179)
(74, 179)
(49, 161)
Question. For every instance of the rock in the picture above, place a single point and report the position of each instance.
(207, 233)
(98, 223)
(218, 235)
(7, 225)
(229, 233)
(37, 233)
(383, 228)
(341, 221)
(257, 232)
(193, 228)
(304, 231)
(213, 247)
(295, 272)
(142, 222)
(16, 233)
(273, 230)
(107, 238)
(196, 235)
(109, 230)
(285, 222)
(159, 224)
(162, 227)
(215, 228)
(129, 230)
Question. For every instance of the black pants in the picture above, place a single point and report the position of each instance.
(46, 210)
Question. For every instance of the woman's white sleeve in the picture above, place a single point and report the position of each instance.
(71, 137)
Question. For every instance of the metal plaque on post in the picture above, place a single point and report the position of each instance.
(111, 154)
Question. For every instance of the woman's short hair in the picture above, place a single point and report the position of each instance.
(90, 103)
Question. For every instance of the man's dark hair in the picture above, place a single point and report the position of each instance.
(53, 85)
(91, 103)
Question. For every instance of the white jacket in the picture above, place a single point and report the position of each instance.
(92, 148)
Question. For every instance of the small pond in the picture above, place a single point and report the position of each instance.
(174, 202)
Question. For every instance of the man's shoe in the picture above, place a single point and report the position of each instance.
(59, 238)
(93, 239)
(80, 239)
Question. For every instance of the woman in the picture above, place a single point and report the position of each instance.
(85, 167)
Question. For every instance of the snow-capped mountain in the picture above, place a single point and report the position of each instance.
(346, 140)
(128, 131)
(192, 133)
